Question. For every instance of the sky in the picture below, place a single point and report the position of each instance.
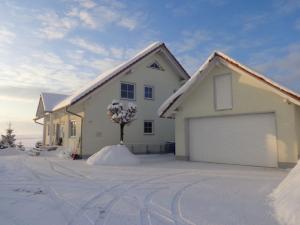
(59, 45)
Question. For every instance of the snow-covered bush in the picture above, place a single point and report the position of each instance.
(121, 115)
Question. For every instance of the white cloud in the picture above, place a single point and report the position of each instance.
(92, 47)
(87, 19)
(128, 23)
(6, 36)
(104, 64)
(282, 64)
(287, 6)
(54, 26)
(253, 21)
(191, 39)
(87, 4)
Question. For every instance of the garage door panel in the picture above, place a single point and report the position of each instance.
(243, 139)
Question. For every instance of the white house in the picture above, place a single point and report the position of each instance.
(79, 121)
(228, 113)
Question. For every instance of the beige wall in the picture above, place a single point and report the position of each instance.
(99, 131)
(63, 118)
(297, 112)
(249, 96)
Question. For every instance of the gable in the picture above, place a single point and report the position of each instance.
(40, 109)
(219, 61)
(123, 68)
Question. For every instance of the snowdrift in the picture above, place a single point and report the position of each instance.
(116, 155)
(286, 198)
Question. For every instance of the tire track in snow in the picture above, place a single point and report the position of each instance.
(176, 208)
(111, 204)
(53, 195)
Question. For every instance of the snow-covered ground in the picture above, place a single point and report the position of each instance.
(49, 190)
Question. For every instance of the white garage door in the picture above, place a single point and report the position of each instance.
(243, 139)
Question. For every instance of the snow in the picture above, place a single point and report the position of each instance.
(286, 198)
(113, 155)
(47, 190)
(198, 75)
(51, 99)
(106, 76)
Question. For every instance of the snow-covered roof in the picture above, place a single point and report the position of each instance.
(50, 100)
(110, 74)
(200, 74)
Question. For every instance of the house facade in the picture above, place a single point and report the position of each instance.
(80, 122)
(228, 113)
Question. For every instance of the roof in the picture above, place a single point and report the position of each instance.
(50, 100)
(199, 75)
(110, 74)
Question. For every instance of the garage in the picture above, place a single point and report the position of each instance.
(238, 139)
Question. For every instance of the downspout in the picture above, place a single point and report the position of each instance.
(81, 127)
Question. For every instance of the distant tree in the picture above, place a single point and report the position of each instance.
(121, 115)
(9, 139)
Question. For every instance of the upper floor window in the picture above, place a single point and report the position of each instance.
(148, 92)
(223, 92)
(156, 65)
(72, 128)
(127, 91)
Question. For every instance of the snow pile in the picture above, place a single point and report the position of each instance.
(117, 155)
(64, 153)
(286, 198)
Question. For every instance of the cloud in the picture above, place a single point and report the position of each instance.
(128, 23)
(287, 6)
(87, 19)
(107, 13)
(253, 21)
(55, 26)
(87, 4)
(191, 39)
(6, 36)
(282, 64)
(89, 46)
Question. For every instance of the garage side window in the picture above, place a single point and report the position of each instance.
(223, 92)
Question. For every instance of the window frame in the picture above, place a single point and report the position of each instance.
(215, 92)
(148, 86)
(134, 91)
(152, 127)
(71, 128)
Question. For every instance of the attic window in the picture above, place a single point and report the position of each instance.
(156, 65)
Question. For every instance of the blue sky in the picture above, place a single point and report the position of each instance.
(59, 45)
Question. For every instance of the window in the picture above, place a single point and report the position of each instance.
(48, 129)
(148, 92)
(72, 128)
(155, 65)
(148, 127)
(223, 92)
(127, 91)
